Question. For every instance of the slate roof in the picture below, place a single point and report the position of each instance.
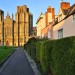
(65, 11)
(68, 13)
(71, 11)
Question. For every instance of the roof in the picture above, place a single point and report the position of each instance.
(34, 28)
(64, 11)
(71, 11)
(68, 13)
(40, 17)
(47, 28)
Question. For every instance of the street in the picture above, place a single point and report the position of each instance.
(17, 65)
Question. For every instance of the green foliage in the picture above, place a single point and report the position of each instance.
(55, 56)
(30, 47)
(33, 51)
(63, 55)
(45, 55)
(38, 44)
(32, 40)
(48, 55)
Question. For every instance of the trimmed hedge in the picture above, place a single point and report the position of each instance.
(63, 56)
(30, 47)
(38, 44)
(57, 57)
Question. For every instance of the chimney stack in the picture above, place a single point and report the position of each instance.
(65, 5)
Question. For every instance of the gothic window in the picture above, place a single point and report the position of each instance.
(21, 18)
(7, 43)
(60, 33)
(20, 10)
(8, 31)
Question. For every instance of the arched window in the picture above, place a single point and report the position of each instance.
(7, 43)
(7, 31)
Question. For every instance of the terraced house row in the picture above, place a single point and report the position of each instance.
(58, 26)
(16, 32)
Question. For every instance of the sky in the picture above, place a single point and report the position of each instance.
(36, 7)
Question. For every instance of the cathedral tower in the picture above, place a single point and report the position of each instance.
(22, 20)
(1, 15)
(1, 27)
(16, 32)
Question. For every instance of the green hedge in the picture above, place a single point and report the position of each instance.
(63, 57)
(57, 57)
(30, 47)
(33, 51)
(38, 44)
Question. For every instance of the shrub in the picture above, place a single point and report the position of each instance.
(33, 51)
(63, 57)
(38, 51)
(56, 56)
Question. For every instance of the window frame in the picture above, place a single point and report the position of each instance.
(60, 36)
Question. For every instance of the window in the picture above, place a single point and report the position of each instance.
(7, 31)
(60, 33)
(74, 17)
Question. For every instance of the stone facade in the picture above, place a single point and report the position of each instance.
(44, 20)
(16, 32)
(66, 27)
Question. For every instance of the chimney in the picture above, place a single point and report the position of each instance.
(49, 9)
(65, 5)
(53, 13)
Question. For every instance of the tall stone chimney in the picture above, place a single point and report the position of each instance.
(50, 15)
(65, 5)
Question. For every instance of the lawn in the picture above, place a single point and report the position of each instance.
(5, 52)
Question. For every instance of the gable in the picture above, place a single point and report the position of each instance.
(71, 11)
(60, 11)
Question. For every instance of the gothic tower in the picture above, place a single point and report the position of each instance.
(22, 21)
(1, 27)
(1, 15)
(16, 32)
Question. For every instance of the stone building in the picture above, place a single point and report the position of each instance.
(44, 20)
(65, 26)
(16, 32)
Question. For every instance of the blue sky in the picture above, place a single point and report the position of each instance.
(35, 6)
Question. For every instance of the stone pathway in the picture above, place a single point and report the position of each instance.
(33, 64)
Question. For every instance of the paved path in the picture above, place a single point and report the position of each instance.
(33, 64)
(17, 64)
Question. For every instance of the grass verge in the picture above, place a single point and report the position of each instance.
(5, 52)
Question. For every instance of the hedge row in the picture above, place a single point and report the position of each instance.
(57, 57)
